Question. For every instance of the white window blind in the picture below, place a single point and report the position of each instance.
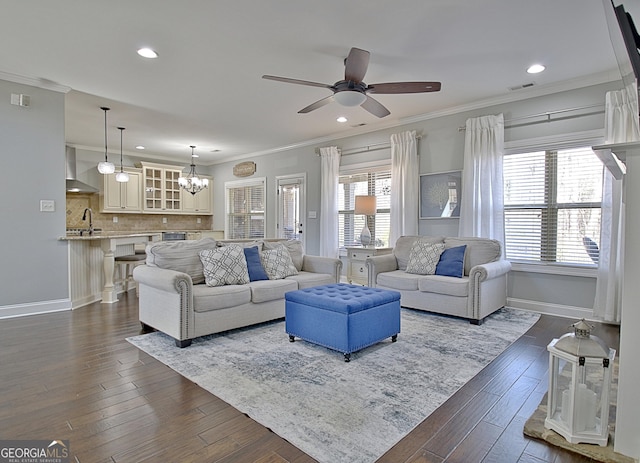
(368, 182)
(245, 209)
(552, 203)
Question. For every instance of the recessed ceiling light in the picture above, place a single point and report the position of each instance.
(147, 53)
(139, 147)
(341, 119)
(536, 68)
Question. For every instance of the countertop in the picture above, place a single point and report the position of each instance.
(109, 235)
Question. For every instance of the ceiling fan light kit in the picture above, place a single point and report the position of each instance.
(352, 91)
(350, 98)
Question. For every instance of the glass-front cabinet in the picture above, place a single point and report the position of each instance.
(161, 190)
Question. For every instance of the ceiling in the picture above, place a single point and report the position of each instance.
(205, 88)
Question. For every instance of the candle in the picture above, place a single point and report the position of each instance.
(586, 403)
(565, 411)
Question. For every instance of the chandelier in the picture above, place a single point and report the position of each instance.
(105, 167)
(192, 183)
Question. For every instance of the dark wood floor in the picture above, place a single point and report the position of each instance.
(72, 375)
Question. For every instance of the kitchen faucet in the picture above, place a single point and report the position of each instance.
(84, 217)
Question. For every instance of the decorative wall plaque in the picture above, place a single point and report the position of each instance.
(244, 169)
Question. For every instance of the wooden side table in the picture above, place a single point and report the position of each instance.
(357, 272)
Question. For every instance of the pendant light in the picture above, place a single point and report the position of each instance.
(192, 183)
(105, 167)
(121, 176)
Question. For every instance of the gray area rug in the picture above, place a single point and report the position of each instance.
(337, 411)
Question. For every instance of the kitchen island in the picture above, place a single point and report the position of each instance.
(92, 263)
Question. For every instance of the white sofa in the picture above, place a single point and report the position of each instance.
(174, 299)
(480, 291)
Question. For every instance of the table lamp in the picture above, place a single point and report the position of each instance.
(365, 205)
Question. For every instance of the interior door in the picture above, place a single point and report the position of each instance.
(290, 223)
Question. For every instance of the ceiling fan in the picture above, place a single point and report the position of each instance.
(352, 91)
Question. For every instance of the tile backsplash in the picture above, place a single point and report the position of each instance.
(78, 202)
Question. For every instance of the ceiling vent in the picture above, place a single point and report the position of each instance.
(520, 87)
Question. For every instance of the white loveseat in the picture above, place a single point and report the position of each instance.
(174, 299)
(479, 291)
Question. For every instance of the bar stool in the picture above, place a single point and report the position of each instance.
(126, 264)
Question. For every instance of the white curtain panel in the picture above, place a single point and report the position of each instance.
(405, 184)
(482, 205)
(621, 125)
(330, 171)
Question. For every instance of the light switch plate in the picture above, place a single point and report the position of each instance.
(47, 205)
(312, 214)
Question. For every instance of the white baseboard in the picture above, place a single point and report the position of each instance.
(34, 308)
(551, 309)
(85, 301)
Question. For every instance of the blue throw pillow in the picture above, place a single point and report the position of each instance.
(256, 270)
(451, 262)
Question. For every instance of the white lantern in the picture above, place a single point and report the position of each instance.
(579, 384)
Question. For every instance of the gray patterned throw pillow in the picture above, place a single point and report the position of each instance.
(424, 257)
(277, 262)
(225, 265)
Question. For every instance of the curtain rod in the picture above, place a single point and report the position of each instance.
(365, 149)
(548, 115)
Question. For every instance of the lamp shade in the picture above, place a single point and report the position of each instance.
(365, 205)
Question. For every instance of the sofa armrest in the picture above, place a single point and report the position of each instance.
(379, 264)
(490, 270)
(162, 279)
(318, 264)
(166, 302)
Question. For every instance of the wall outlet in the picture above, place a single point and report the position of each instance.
(198, 220)
(47, 205)
(164, 220)
(312, 214)
(115, 219)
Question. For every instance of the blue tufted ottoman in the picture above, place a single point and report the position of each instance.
(342, 317)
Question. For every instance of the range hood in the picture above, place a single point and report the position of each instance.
(73, 185)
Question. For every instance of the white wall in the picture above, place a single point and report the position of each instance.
(34, 275)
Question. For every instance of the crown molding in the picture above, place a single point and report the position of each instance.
(34, 82)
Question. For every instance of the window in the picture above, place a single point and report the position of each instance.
(372, 181)
(552, 203)
(245, 209)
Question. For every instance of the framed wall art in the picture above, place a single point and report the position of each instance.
(440, 195)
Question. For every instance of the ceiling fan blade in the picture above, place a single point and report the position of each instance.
(404, 87)
(316, 105)
(374, 107)
(297, 81)
(356, 65)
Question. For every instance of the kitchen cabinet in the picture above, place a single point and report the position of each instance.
(357, 272)
(161, 190)
(122, 197)
(201, 203)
